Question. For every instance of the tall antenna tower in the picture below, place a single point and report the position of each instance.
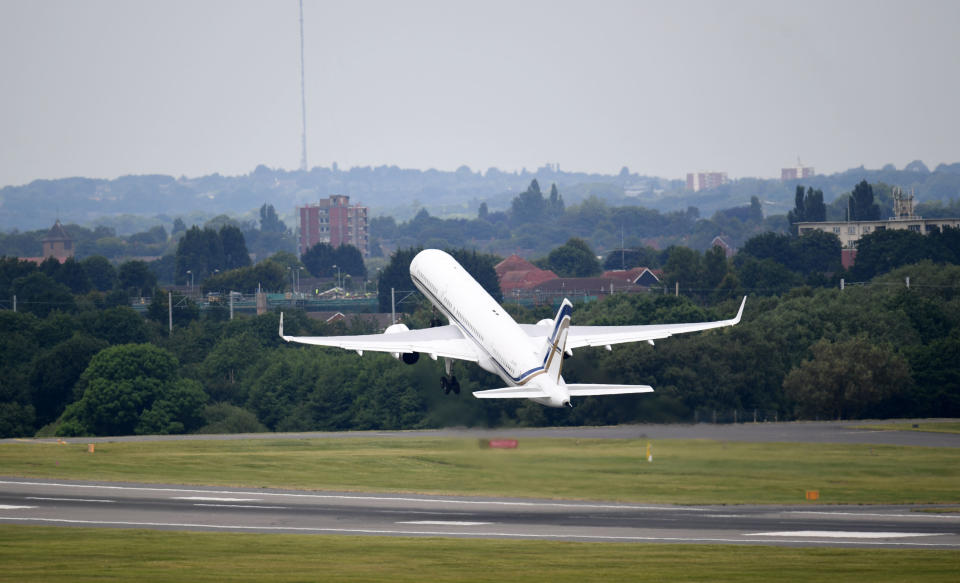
(303, 100)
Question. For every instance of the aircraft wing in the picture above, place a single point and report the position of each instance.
(442, 341)
(580, 336)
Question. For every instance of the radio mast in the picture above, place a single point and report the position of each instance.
(303, 100)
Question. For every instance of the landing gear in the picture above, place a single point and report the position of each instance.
(450, 384)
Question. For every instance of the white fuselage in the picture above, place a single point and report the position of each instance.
(504, 348)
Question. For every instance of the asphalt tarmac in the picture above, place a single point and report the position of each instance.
(168, 507)
(164, 507)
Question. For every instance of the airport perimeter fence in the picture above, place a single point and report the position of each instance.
(708, 415)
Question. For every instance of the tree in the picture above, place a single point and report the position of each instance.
(101, 273)
(200, 251)
(55, 372)
(862, 207)
(40, 294)
(269, 221)
(72, 275)
(529, 205)
(135, 277)
(235, 252)
(574, 259)
(12, 268)
(847, 379)
(881, 251)
(322, 257)
(816, 252)
(683, 266)
(134, 388)
(714, 267)
(555, 206)
(808, 208)
(178, 226)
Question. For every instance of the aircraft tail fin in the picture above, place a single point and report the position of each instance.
(557, 341)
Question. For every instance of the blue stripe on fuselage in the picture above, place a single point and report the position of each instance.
(523, 378)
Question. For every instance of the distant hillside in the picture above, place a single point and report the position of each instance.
(400, 193)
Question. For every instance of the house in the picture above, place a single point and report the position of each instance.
(724, 243)
(643, 276)
(516, 273)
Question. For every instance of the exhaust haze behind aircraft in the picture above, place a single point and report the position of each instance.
(528, 357)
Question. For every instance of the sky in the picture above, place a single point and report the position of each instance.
(105, 88)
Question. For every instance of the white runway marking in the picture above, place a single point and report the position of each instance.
(242, 506)
(531, 504)
(445, 522)
(845, 534)
(9, 507)
(211, 499)
(875, 514)
(71, 500)
(456, 534)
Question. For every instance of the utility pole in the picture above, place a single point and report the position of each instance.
(170, 311)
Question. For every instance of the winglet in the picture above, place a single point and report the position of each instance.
(740, 311)
(281, 325)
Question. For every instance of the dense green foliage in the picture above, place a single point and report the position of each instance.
(108, 370)
(325, 260)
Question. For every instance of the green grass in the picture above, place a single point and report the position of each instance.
(30, 553)
(683, 472)
(936, 427)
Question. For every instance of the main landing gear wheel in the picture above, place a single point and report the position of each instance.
(450, 384)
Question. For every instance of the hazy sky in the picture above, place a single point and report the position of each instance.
(113, 87)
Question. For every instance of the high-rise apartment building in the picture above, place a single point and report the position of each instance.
(796, 173)
(697, 181)
(335, 222)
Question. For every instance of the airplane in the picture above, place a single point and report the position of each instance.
(527, 357)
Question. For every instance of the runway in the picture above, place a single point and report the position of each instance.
(166, 507)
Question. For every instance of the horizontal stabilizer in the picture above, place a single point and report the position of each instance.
(511, 393)
(588, 390)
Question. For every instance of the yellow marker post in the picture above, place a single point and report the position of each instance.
(649, 452)
(813, 494)
(90, 448)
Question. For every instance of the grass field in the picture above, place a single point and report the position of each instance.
(72, 554)
(936, 426)
(683, 472)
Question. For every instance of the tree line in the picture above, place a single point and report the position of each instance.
(89, 368)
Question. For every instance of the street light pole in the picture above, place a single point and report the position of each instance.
(191, 282)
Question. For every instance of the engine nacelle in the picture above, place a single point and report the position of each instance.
(407, 357)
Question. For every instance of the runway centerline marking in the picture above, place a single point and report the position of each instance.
(845, 534)
(213, 499)
(71, 500)
(373, 498)
(242, 506)
(876, 514)
(12, 507)
(445, 522)
(462, 534)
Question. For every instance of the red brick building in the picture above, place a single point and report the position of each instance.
(336, 222)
